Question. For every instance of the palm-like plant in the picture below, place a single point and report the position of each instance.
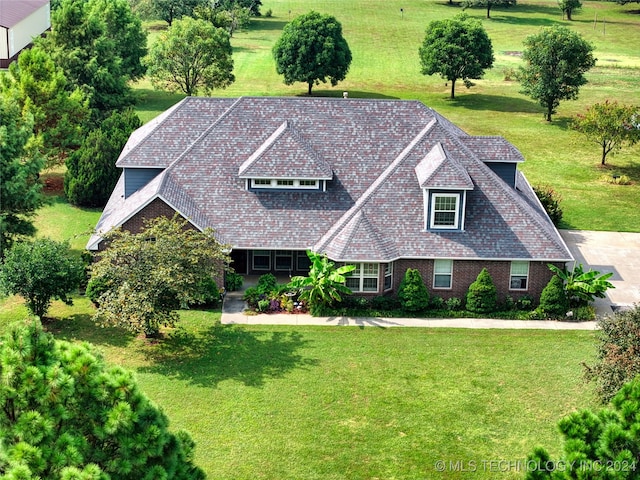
(583, 287)
(325, 283)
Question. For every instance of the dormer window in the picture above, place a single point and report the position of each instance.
(285, 183)
(445, 210)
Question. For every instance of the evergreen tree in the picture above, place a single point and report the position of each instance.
(482, 296)
(64, 414)
(553, 299)
(20, 165)
(599, 445)
(412, 292)
(91, 170)
(42, 91)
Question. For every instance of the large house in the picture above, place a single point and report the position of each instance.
(386, 185)
(20, 22)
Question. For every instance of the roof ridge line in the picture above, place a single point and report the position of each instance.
(375, 185)
(204, 134)
(255, 156)
(178, 106)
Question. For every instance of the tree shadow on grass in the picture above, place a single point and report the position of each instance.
(80, 326)
(228, 352)
(497, 103)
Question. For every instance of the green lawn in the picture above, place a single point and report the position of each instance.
(351, 403)
(385, 64)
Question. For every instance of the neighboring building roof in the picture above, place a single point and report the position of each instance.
(13, 12)
(377, 157)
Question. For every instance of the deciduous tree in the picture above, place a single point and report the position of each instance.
(457, 48)
(568, 7)
(556, 60)
(147, 276)
(312, 49)
(41, 271)
(611, 125)
(171, 10)
(20, 165)
(65, 414)
(91, 170)
(191, 55)
(488, 4)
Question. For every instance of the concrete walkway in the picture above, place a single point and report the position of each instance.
(233, 313)
(616, 252)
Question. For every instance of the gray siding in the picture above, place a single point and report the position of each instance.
(136, 178)
(506, 171)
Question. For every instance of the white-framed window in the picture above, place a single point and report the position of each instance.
(442, 273)
(388, 276)
(261, 260)
(261, 182)
(364, 278)
(284, 183)
(284, 260)
(445, 210)
(519, 277)
(303, 263)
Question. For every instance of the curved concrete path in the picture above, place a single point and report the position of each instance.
(616, 252)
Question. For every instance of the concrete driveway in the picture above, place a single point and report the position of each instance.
(617, 252)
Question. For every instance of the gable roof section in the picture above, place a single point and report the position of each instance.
(160, 142)
(439, 170)
(13, 12)
(285, 154)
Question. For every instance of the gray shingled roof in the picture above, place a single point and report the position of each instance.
(441, 171)
(285, 155)
(378, 151)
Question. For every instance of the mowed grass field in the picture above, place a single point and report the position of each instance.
(275, 402)
(384, 41)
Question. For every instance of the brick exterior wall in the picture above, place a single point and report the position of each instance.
(465, 272)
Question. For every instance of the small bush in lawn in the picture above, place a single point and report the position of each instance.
(454, 303)
(553, 299)
(233, 281)
(413, 293)
(208, 293)
(385, 303)
(251, 296)
(482, 296)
